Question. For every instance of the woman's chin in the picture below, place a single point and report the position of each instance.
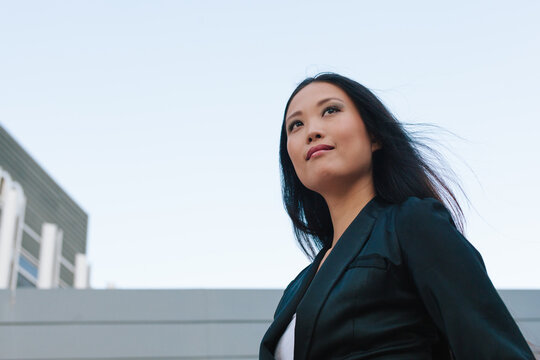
(323, 185)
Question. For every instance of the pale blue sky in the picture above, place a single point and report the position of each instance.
(162, 119)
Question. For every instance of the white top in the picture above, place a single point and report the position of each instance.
(285, 346)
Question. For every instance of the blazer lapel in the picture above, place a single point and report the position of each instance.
(347, 247)
(290, 302)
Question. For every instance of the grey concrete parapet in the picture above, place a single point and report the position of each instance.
(161, 324)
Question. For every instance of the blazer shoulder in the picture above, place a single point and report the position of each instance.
(426, 227)
(415, 211)
(418, 221)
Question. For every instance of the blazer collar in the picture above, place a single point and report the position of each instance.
(284, 316)
(311, 293)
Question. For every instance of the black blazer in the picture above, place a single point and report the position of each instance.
(401, 283)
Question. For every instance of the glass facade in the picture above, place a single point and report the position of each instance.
(44, 202)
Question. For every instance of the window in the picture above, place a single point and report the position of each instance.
(22, 281)
(27, 265)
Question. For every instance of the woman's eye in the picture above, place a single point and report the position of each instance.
(291, 126)
(331, 109)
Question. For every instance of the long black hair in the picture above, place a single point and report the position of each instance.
(400, 168)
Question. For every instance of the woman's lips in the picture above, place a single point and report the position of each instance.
(318, 149)
(319, 152)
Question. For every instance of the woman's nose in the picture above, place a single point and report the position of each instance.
(315, 130)
(314, 135)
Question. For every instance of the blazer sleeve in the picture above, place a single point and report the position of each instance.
(452, 281)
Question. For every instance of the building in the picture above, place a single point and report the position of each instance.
(42, 229)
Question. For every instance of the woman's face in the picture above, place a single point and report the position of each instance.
(323, 114)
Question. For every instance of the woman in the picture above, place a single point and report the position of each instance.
(392, 277)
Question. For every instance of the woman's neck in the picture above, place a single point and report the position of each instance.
(344, 206)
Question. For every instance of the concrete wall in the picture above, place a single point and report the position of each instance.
(161, 324)
(134, 324)
(524, 305)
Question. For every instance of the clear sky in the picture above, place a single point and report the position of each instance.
(162, 120)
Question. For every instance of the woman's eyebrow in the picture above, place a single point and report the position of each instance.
(318, 104)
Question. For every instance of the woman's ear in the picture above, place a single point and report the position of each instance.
(375, 144)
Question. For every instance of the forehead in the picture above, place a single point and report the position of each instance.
(313, 93)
